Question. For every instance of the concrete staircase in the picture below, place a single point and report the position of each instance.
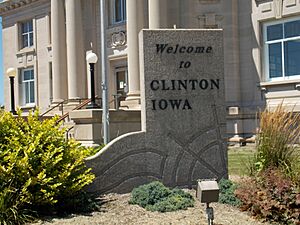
(63, 109)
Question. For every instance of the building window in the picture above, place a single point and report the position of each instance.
(119, 10)
(282, 49)
(26, 34)
(28, 86)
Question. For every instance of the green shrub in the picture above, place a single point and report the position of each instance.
(38, 167)
(10, 211)
(149, 194)
(156, 197)
(273, 197)
(227, 196)
(95, 150)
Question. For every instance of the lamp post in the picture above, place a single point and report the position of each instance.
(91, 59)
(105, 106)
(11, 73)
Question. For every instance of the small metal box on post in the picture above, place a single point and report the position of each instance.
(208, 192)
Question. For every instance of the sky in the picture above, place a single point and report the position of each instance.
(1, 66)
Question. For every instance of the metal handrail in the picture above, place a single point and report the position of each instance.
(52, 108)
(68, 131)
(116, 100)
(84, 103)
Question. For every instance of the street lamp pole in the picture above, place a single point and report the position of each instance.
(105, 107)
(92, 59)
(11, 73)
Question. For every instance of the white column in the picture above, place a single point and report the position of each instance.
(157, 14)
(154, 14)
(75, 50)
(186, 15)
(134, 25)
(232, 62)
(232, 51)
(59, 54)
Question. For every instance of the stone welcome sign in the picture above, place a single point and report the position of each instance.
(183, 116)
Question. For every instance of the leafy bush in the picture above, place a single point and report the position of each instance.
(38, 167)
(10, 212)
(149, 194)
(95, 150)
(273, 192)
(156, 197)
(272, 196)
(227, 196)
(279, 131)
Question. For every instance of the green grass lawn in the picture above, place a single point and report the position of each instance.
(238, 159)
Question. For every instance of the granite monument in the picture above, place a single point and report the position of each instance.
(183, 116)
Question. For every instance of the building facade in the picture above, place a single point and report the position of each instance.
(47, 41)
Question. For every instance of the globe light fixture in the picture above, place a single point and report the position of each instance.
(11, 72)
(92, 58)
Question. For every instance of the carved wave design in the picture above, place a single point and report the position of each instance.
(131, 153)
(159, 176)
(196, 156)
(127, 178)
(174, 168)
(185, 146)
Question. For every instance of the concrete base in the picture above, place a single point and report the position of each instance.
(133, 101)
(238, 140)
(131, 104)
(88, 124)
(251, 139)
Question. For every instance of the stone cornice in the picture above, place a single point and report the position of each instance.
(9, 5)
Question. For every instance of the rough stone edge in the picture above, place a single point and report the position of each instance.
(110, 145)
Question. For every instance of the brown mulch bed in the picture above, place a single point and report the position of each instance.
(116, 210)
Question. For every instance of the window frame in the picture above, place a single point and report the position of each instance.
(23, 86)
(28, 34)
(283, 40)
(123, 12)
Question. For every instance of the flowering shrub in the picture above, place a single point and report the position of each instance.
(271, 196)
